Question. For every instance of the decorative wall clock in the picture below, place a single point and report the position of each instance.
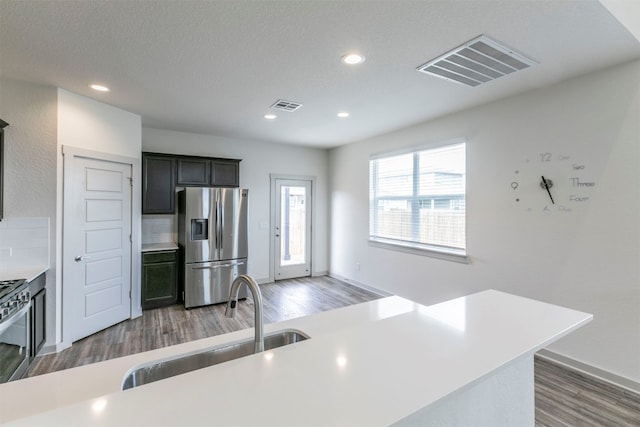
(550, 183)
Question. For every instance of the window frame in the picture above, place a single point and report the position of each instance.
(423, 249)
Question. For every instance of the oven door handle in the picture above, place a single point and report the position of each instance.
(6, 324)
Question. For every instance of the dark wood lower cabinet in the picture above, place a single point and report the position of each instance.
(38, 314)
(159, 279)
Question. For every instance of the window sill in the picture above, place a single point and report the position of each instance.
(448, 254)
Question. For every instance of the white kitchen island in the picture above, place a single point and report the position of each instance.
(468, 361)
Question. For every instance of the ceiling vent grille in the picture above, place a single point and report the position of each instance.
(283, 105)
(478, 61)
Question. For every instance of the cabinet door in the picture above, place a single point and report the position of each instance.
(159, 279)
(225, 173)
(158, 184)
(193, 171)
(38, 322)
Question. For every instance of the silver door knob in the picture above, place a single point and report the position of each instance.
(81, 258)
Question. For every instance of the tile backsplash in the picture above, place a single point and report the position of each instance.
(159, 229)
(24, 242)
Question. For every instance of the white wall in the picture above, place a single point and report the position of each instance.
(97, 127)
(92, 125)
(30, 164)
(259, 159)
(627, 12)
(587, 259)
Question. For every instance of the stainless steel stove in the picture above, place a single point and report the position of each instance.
(13, 296)
(15, 303)
(6, 286)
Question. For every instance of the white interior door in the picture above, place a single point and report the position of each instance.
(97, 239)
(292, 228)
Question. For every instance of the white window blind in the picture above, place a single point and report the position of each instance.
(417, 199)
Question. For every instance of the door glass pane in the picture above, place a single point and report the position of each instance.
(293, 208)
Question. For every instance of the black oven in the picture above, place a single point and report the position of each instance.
(14, 330)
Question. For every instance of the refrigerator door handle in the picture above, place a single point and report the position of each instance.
(219, 223)
(213, 267)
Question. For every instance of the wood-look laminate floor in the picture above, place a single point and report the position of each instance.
(564, 397)
(567, 397)
(172, 325)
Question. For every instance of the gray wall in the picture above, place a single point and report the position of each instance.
(30, 163)
(587, 259)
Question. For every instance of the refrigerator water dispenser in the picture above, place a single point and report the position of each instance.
(199, 229)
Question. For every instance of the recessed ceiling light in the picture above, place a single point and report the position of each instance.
(343, 114)
(352, 59)
(99, 88)
(270, 116)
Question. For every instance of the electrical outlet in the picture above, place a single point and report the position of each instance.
(357, 266)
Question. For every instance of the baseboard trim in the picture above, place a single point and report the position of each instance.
(52, 348)
(601, 374)
(361, 285)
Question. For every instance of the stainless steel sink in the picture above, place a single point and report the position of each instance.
(156, 371)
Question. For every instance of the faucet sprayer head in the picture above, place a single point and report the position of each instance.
(230, 311)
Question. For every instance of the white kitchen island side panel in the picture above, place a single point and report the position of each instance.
(503, 398)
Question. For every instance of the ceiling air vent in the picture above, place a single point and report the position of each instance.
(283, 105)
(475, 62)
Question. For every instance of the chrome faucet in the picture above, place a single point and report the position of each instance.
(257, 306)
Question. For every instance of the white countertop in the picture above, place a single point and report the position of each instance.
(23, 272)
(153, 247)
(368, 364)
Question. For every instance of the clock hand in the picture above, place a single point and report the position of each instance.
(546, 185)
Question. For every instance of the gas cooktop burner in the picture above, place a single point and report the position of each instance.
(11, 282)
(9, 286)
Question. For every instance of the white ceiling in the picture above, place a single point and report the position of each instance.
(215, 67)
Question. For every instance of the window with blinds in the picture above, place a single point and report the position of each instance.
(417, 199)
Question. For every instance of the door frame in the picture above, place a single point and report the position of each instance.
(135, 309)
(272, 218)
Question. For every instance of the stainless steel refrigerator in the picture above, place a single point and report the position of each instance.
(212, 235)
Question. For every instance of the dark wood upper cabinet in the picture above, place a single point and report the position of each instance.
(193, 171)
(225, 173)
(158, 183)
(161, 173)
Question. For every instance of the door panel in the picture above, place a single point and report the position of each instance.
(100, 271)
(104, 210)
(104, 180)
(102, 300)
(98, 221)
(293, 228)
(103, 240)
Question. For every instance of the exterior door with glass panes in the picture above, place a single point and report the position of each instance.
(292, 228)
